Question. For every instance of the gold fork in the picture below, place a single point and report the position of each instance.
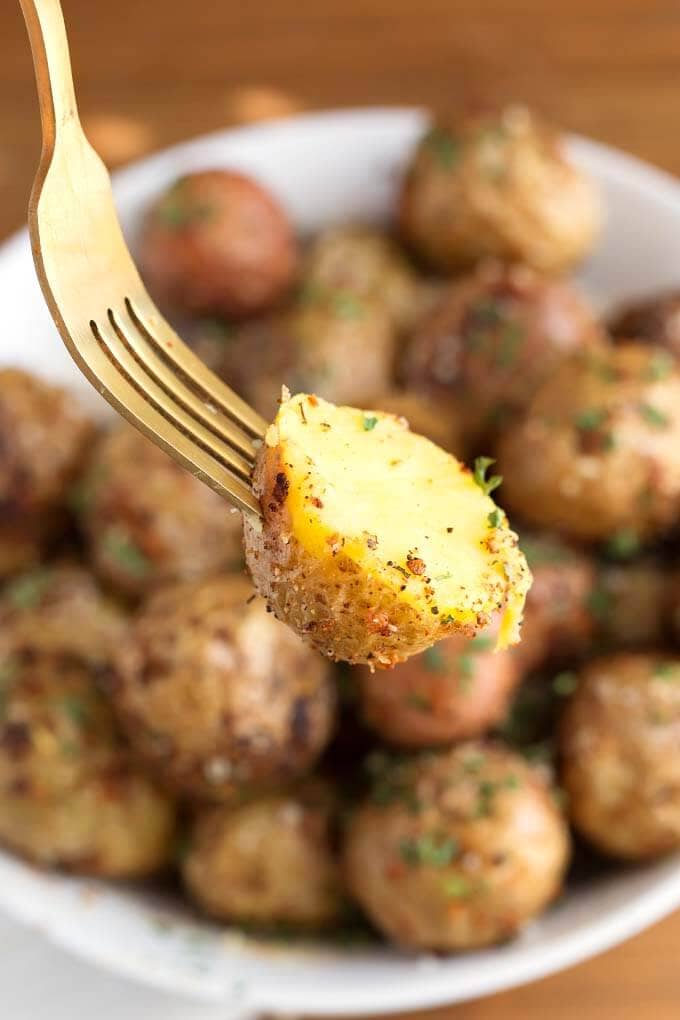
(107, 320)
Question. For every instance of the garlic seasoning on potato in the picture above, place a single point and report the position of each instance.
(374, 543)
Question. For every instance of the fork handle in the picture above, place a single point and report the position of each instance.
(52, 63)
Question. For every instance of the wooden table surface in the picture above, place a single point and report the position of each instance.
(152, 72)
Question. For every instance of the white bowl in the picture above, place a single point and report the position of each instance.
(335, 167)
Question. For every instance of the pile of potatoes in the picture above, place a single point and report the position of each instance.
(155, 718)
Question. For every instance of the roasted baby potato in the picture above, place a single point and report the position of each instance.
(491, 339)
(655, 320)
(365, 262)
(43, 436)
(147, 521)
(499, 185)
(457, 689)
(59, 609)
(595, 454)
(269, 862)
(456, 850)
(218, 242)
(375, 543)
(620, 754)
(69, 795)
(558, 624)
(217, 696)
(116, 825)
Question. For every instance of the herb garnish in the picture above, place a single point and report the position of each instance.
(599, 602)
(369, 422)
(654, 417)
(346, 306)
(590, 419)
(494, 519)
(623, 544)
(565, 683)
(457, 887)
(120, 547)
(419, 701)
(435, 851)
(661, 365)
(443, 146)
(434, 660)
(26, 592)
(75, 708)
(667, 671)
(487, 485)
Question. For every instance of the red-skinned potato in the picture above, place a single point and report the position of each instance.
(218, 242)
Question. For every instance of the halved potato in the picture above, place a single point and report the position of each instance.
(374, 542)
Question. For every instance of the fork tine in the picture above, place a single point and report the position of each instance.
(108, 333)
(131, 404)
(158, 369)
(145, 315)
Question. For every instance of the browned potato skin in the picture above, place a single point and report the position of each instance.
(44, 436)
(558, 620)
(437, 419)
(497, 185)
(60, 610)
(69, 797)
(490, 341)
(509, 849)
(656, 320)
(596, 450)
(620, 757)
(218, 242)
(368, 263)
(148, 521)
(457, 689)
(217, 696)
(271, 861)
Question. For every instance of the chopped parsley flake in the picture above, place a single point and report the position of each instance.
(443, 146)
(591, 419)
(419, 701)
(27, 591)
(488, 790)
(75, 708)
(667, 671)
(434, 661)
(177, 213)
(487, 485)
(369, 422)
(654, 417)
(120, 547)
(623, 544)
(494, 519)
(599, 603)
(433, 851)
(456, 887)
(347, 306)
(466, 668)
(565, 683)
(511, 339)
(661, 365)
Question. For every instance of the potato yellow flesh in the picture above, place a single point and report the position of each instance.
(402, 509)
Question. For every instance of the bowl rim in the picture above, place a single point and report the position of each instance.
(497, 970)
